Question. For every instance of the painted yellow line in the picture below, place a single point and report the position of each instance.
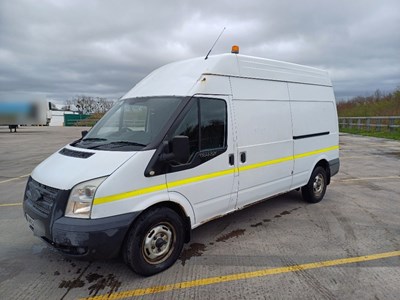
(10, 204)
(366, 179)
(15, 178)
(151, 189)
(242, 276)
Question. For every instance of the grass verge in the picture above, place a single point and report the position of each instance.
(394, 135)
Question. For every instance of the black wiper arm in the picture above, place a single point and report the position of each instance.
(88, 140)
(94, 139)
(124, 143)
(118, 144)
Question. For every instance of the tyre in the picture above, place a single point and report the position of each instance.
(154, 242)
(315, 189)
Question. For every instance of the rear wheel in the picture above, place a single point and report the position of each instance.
(315, 189)
(155, 241)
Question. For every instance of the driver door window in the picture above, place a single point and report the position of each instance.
(205, 125)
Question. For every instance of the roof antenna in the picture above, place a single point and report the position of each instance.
(205, 58)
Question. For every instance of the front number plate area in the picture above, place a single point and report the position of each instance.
(30, 222)
(36, 225)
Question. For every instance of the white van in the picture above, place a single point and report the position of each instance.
(193, 141)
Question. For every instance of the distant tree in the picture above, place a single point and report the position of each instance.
(90, 105)
(103, 105)
(377, 104)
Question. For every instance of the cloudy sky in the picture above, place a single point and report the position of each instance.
(62, 48)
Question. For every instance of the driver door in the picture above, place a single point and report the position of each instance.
(208, 180)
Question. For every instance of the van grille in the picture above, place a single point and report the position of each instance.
(40, 196)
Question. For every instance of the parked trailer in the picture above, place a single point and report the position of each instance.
(193, 141)
(14, 113)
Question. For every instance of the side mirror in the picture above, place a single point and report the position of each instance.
(179, 150)
(84, 133)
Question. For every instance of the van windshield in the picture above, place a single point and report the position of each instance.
(131, 124)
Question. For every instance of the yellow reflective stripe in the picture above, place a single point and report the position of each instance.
(200, 178)
(172, 184)
(265, 163)
(288, 158)
(134, 193)
(296, 156)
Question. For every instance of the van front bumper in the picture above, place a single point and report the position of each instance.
(91, 238)
(87, 238)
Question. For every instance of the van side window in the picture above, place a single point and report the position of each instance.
(189, 127)
(213, 124)
(211, 133)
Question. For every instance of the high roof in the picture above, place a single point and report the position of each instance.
(180, 78)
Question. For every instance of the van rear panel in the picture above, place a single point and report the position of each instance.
(315, 128)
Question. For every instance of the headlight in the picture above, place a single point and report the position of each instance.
(81, 199)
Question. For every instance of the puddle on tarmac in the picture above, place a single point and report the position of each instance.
(233, 234)
(71, 284)
(195, 249)
(395, 153)
(97, 282)
(101, 283)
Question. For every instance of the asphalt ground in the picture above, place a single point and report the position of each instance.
(345, 247)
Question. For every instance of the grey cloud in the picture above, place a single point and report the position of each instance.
(102, 48)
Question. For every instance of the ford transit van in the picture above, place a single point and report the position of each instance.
(193, 141)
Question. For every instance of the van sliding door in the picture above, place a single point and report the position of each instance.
(264, 138)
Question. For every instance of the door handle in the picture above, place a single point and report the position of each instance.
(231, 159)
(242, 157)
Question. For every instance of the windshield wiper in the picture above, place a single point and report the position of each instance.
(78, 143)
(94, 139)
(118, 144)
(127, 143)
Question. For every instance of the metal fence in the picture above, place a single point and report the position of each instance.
(74, 119)
(371, 123)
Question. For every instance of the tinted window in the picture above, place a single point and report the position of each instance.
(189, 127)
(213, 124)
(211, 134)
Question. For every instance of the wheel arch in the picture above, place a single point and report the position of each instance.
(324, 164)
(176, 207)
(180, 211)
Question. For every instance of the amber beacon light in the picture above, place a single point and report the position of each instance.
(235, 49)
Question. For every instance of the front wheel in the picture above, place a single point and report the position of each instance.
(155, 241)
(315, 189)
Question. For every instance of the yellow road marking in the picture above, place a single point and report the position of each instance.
(366, 179)
(241, 276)
(10, 204)
(151, 189)
(15, 178)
